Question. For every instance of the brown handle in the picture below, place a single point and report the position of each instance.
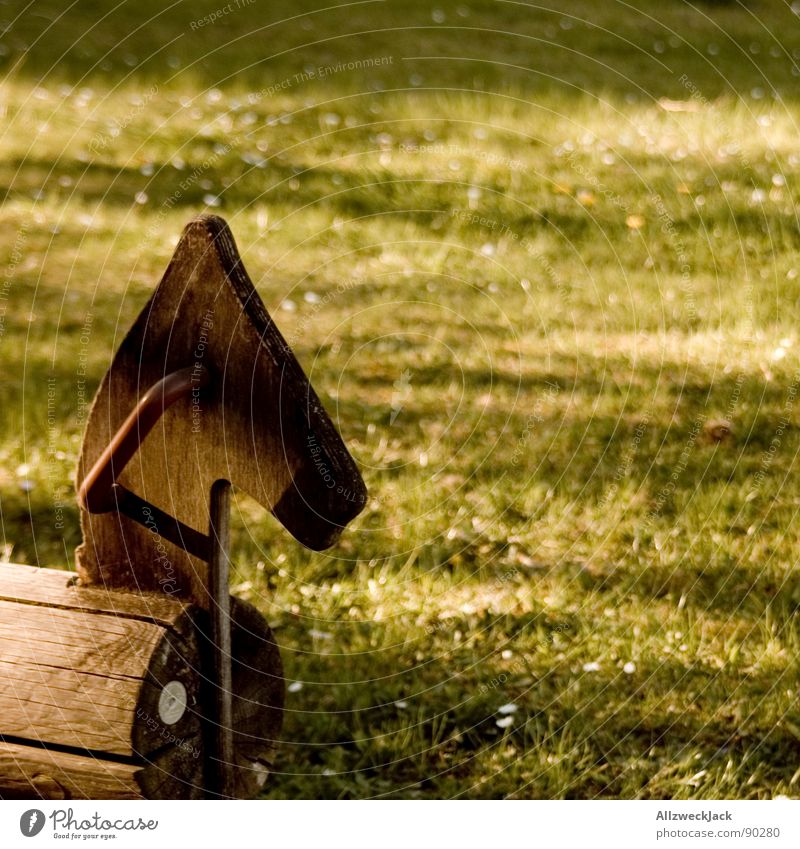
(96, 494)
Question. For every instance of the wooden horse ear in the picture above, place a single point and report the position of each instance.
(253, 420)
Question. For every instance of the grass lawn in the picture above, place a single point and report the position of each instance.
(530, 256)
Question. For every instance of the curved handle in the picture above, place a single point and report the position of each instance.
(97, 494)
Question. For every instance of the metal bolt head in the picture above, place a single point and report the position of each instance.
(172, 702)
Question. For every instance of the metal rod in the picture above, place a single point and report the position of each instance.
(222, 684)
(97, 490)
(168, 527)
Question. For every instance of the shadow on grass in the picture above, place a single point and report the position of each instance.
(671, 717)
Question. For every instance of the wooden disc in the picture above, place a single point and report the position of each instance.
(168, 723)
(178, 688)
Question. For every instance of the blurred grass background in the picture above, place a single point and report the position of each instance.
(540, 263)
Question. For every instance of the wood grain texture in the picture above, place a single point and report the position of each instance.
(87, 682)
(259, 424)
(34, 773)
(77, 681)
(59, 679)
(90, 681)
(56, 588)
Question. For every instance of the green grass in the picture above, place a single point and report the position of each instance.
(523, 284)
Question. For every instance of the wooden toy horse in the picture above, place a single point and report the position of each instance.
(202, 393)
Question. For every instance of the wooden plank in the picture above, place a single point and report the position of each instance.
(56, 588)
(66, 656)
(92, 681)
(72, 678)
(80, 679)
(258, 424)
(68, 708)
(66, 622)
(27, 772)
(61, 653)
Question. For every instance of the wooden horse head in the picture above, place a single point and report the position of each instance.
(203, 389)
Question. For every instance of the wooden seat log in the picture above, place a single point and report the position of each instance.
(101, 692)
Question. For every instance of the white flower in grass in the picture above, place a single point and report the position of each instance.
(629, 668)
(295, 687)
(505, 722)
(401, 704)
(508, 708)
(593, 666)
